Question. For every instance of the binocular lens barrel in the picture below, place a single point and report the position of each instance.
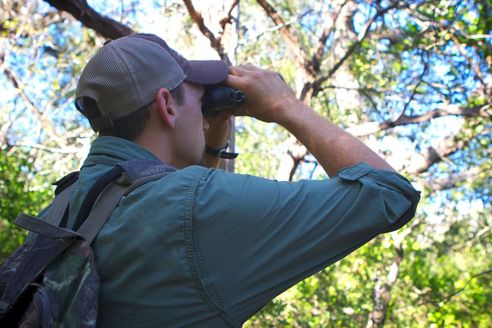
(220, 97)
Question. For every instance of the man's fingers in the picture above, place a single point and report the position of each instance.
(240, 75)
(242, 69)
(234, 70)
(249, 67)
(238, 70)
(233, 81)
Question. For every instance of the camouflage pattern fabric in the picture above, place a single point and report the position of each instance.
(71, 284)
(65, 295)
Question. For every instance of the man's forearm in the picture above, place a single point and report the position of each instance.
(217, 136)
(270, 99)
(330, 145)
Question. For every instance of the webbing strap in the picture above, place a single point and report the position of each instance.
(94, 193)
(59, 205)
(43, 228)
(107, 202)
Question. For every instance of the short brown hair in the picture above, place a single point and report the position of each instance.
(131, 126)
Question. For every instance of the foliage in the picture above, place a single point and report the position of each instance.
(415, 84)
(20, 191)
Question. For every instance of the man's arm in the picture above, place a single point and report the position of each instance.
(258, 237)
(217, 136)
(270, 99)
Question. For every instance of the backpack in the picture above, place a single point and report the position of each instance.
(51, 280)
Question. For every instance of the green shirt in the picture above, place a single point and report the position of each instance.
(206, 248)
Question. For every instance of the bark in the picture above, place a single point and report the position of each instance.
(81, 11)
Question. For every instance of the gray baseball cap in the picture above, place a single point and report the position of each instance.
(125, 75)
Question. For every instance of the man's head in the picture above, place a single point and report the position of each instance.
(124, 76)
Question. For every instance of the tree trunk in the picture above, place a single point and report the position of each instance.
(382, 291)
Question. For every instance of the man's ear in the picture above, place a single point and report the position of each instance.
(165, 107)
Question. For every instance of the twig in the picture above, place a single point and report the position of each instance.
(215, 42)
(45, 124)
(289, 36)
(456, 292)
(419, 82)
(353, 47)
(48, 149)
(325, 35)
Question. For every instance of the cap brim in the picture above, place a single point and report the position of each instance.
(206, 71)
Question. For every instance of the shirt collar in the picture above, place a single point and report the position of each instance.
(111, 150)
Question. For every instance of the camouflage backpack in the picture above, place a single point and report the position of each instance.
(51, 280)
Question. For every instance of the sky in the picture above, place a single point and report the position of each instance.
(167, 23)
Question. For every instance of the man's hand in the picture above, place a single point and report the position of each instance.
(267, 95)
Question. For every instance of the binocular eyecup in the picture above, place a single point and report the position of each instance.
(219, 97)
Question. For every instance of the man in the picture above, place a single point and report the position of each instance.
(203, 247)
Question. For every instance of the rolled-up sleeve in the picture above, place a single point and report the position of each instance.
(253, 238)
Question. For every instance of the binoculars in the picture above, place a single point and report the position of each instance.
(219, 97)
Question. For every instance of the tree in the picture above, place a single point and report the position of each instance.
(411, 78)
(19, 192)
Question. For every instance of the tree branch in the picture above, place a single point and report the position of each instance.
(288, 35)
(81, 11)
(327, 32)
(310, 88)
(45, 124)
(215, 42)
(364, 129)
(424, 160)
(20, 90)
(419, 82)
(456, 292)
(53, 150)
(432, 155)
(463, 52)
(453, 180)
(355, 45)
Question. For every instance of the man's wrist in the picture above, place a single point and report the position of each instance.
(220, 152)
(294, 115)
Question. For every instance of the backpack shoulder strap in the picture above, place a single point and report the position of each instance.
(135, 173)
(59, 205)
(116, 183)
(56, 212)
(63, 192)
(44, 228)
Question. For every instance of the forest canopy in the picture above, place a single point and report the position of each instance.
(412, 79)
